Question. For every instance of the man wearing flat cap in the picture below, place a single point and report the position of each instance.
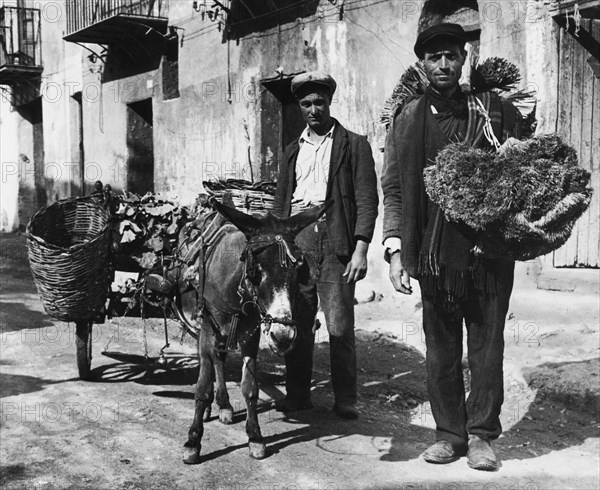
(421, 243)
(327, 162)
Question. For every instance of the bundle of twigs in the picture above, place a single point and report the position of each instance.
(255, 198)
(522, 202)
(412, 83)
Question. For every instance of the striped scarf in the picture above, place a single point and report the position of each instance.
(446, 262)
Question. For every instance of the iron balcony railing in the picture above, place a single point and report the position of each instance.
(20, 40)
(83, 14)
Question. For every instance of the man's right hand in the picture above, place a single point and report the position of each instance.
(399, 277)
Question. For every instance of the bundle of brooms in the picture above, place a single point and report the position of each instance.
(521, 203)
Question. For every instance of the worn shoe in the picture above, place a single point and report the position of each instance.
(442, 452)
(292, 405)
(481, 455)
(345, 411)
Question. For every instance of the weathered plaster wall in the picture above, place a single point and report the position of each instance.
(60, 79)
(105, 122)
(201, 135)
(523, 32)
(10, 170)
(47, 169)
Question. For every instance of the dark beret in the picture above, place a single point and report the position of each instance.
(313, 78)
(447, 30)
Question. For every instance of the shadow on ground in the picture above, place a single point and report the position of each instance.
(392, 394)
(18, 384)
(392, 386)
(15, 317)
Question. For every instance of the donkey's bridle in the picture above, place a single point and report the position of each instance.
(287, 259)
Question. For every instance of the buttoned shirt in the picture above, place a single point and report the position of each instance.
(312, 168)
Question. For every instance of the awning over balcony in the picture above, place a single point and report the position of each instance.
(18, 74)
(120, 28)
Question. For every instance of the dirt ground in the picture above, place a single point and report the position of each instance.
(125, 429)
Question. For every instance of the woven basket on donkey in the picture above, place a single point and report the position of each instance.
(68, 243)
(254, 198)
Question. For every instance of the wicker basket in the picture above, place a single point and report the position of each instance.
(69, 244)
(257, 198)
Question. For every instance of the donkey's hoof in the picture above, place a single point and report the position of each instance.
(258, 450)
(226, 416)
(191, 455)
(207, 414)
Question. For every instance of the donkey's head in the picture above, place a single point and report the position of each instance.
(272, 267)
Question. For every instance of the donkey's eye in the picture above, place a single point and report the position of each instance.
(255, 276)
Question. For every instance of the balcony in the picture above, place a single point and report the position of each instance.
(115, 21)
(20, 45)
(249, 16)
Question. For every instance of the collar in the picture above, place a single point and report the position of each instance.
(309, 134)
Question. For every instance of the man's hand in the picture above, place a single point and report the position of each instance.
(357, 267)
(399, 277)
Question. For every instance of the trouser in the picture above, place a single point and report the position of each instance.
(337, 301)
(484, 319)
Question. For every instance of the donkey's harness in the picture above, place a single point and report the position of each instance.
(200, 246)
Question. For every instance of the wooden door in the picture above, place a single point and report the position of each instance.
(578, 122)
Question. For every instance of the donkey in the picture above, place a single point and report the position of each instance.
(249, 282)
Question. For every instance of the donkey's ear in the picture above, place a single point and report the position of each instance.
(246, 223)
(298, 222)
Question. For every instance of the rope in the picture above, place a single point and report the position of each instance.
(488, 130)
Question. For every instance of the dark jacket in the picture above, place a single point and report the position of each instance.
(352, 185)
(510, 125)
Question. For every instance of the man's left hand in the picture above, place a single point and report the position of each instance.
(357, 267)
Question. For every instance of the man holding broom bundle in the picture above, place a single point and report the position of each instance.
(421, 243)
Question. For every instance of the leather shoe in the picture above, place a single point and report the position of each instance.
(345, 411)
(292, 405)
(442, 452)
(481, 455)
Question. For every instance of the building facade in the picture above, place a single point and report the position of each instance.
(158, 95)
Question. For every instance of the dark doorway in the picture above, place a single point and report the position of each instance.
(80, 149)
(170, 67)
(282, 123)
(140, 145)
(32, 113)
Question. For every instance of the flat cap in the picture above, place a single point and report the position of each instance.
(447, 30)
(316, 78)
